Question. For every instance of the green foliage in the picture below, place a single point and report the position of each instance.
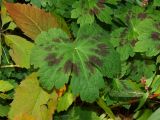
(78, 113)
(155, 115)
(86, 10)
(4, 110)
(105, 52)
(65, 101)
(5, 86)
(82, 59)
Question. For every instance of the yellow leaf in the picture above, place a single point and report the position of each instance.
(49, 109)
(29, 98)
(24, 116)
(5, 86)
(20, 50)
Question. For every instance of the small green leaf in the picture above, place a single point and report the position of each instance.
(5, 86)
(156, 83)
(125, 89)
(104, 106)
(4, 110)
(142, 114)
(114, 2)
(78, 113)
(147, 46)
(105, 15)
(142, 100)
(156, 3)
(125, 51)
(65, 101)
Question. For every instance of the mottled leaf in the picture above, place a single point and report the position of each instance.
(80, 59)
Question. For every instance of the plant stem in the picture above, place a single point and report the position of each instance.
(104, 106)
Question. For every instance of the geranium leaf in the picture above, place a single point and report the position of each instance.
(85, 11)
(79, 59)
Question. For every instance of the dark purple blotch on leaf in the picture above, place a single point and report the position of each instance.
(123, 42)
(52, 60)
(101, 1)
(69, 65)
(133, 42)
(155, 36)
(100, 5)
(90, 66)
(157, 25)
(56, 40)
(123, 33)
(102, 49)
(75, 69)
(49, 48)
(142, 16)
(95, 61)
(94, 11)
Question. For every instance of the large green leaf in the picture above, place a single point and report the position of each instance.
(58, 58)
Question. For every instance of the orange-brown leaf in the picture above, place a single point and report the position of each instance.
(30, 19)
(24, 116)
